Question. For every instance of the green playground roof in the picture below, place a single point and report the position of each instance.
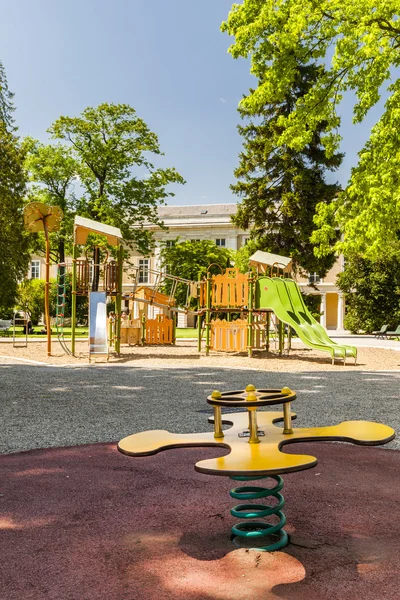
(268, 259)
(84, 226)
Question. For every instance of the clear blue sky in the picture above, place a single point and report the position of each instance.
(166, 58)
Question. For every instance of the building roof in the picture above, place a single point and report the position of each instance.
(199, 210)
(196, 215)
(270, 260)
(83, 226)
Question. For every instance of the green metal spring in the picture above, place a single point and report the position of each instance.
(257, 530)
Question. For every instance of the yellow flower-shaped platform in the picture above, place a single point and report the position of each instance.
(255, 442)
(264, 458)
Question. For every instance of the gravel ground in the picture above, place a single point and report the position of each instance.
(47, 406)
(185, 354)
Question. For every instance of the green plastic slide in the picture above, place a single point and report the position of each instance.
(284, 297)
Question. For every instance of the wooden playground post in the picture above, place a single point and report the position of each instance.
(208, 312)
(143, 338)
(289, 338)
(111, 331)
(73, 307)
(174, 324)
(47, 285)
(199, 317)
(267, 331)
(280, 328)
(250, 316)
(118, 299)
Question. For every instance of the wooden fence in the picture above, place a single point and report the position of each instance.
(231, 336)
(230, 290)
(159, 330)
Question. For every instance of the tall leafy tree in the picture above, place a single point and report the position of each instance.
(113, 148)
(191, 260)
(372, 289)
(359, 43)
(6, 101)
(280, 186)
(52, 171)
(14, 255)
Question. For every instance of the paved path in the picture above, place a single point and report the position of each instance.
(55, 406)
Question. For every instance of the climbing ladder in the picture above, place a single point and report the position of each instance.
(61, 301)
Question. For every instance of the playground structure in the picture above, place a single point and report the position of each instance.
(255, 307)
(95, 280)
(266, 304)
(255, 442)
(137, 327)
(99, 281)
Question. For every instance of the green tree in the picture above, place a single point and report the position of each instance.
(31, 298)
(280, 186)
(14, 255)
(6, 102)
(359, 43)
(112, 147)
(190, 260)
(372, 291)
(242, 256)
(52, 172)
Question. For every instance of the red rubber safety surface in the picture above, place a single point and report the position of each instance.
(87, 523)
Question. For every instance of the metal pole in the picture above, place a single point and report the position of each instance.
(199, 329)
(208, 312)
(253, 428)
(250, 317)
(287, 418)
(73, 303)
(280, 328)
(174, 323)
(118, 300)
(143, 340)
(46, 289)
(218, 433)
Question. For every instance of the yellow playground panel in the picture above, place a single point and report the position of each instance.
(159, 330)
(232, 336)
(151, 296)
(142, 330)
(229, 289)
(131, 332)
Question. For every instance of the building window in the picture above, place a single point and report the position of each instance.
(197, 240)
(170, 243)
(144, 266)
(245, 241)
(314, 278)
(220, 242)
(35, 269)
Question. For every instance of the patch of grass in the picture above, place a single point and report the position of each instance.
(181, 332)
(79, 332)
(186, 332)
